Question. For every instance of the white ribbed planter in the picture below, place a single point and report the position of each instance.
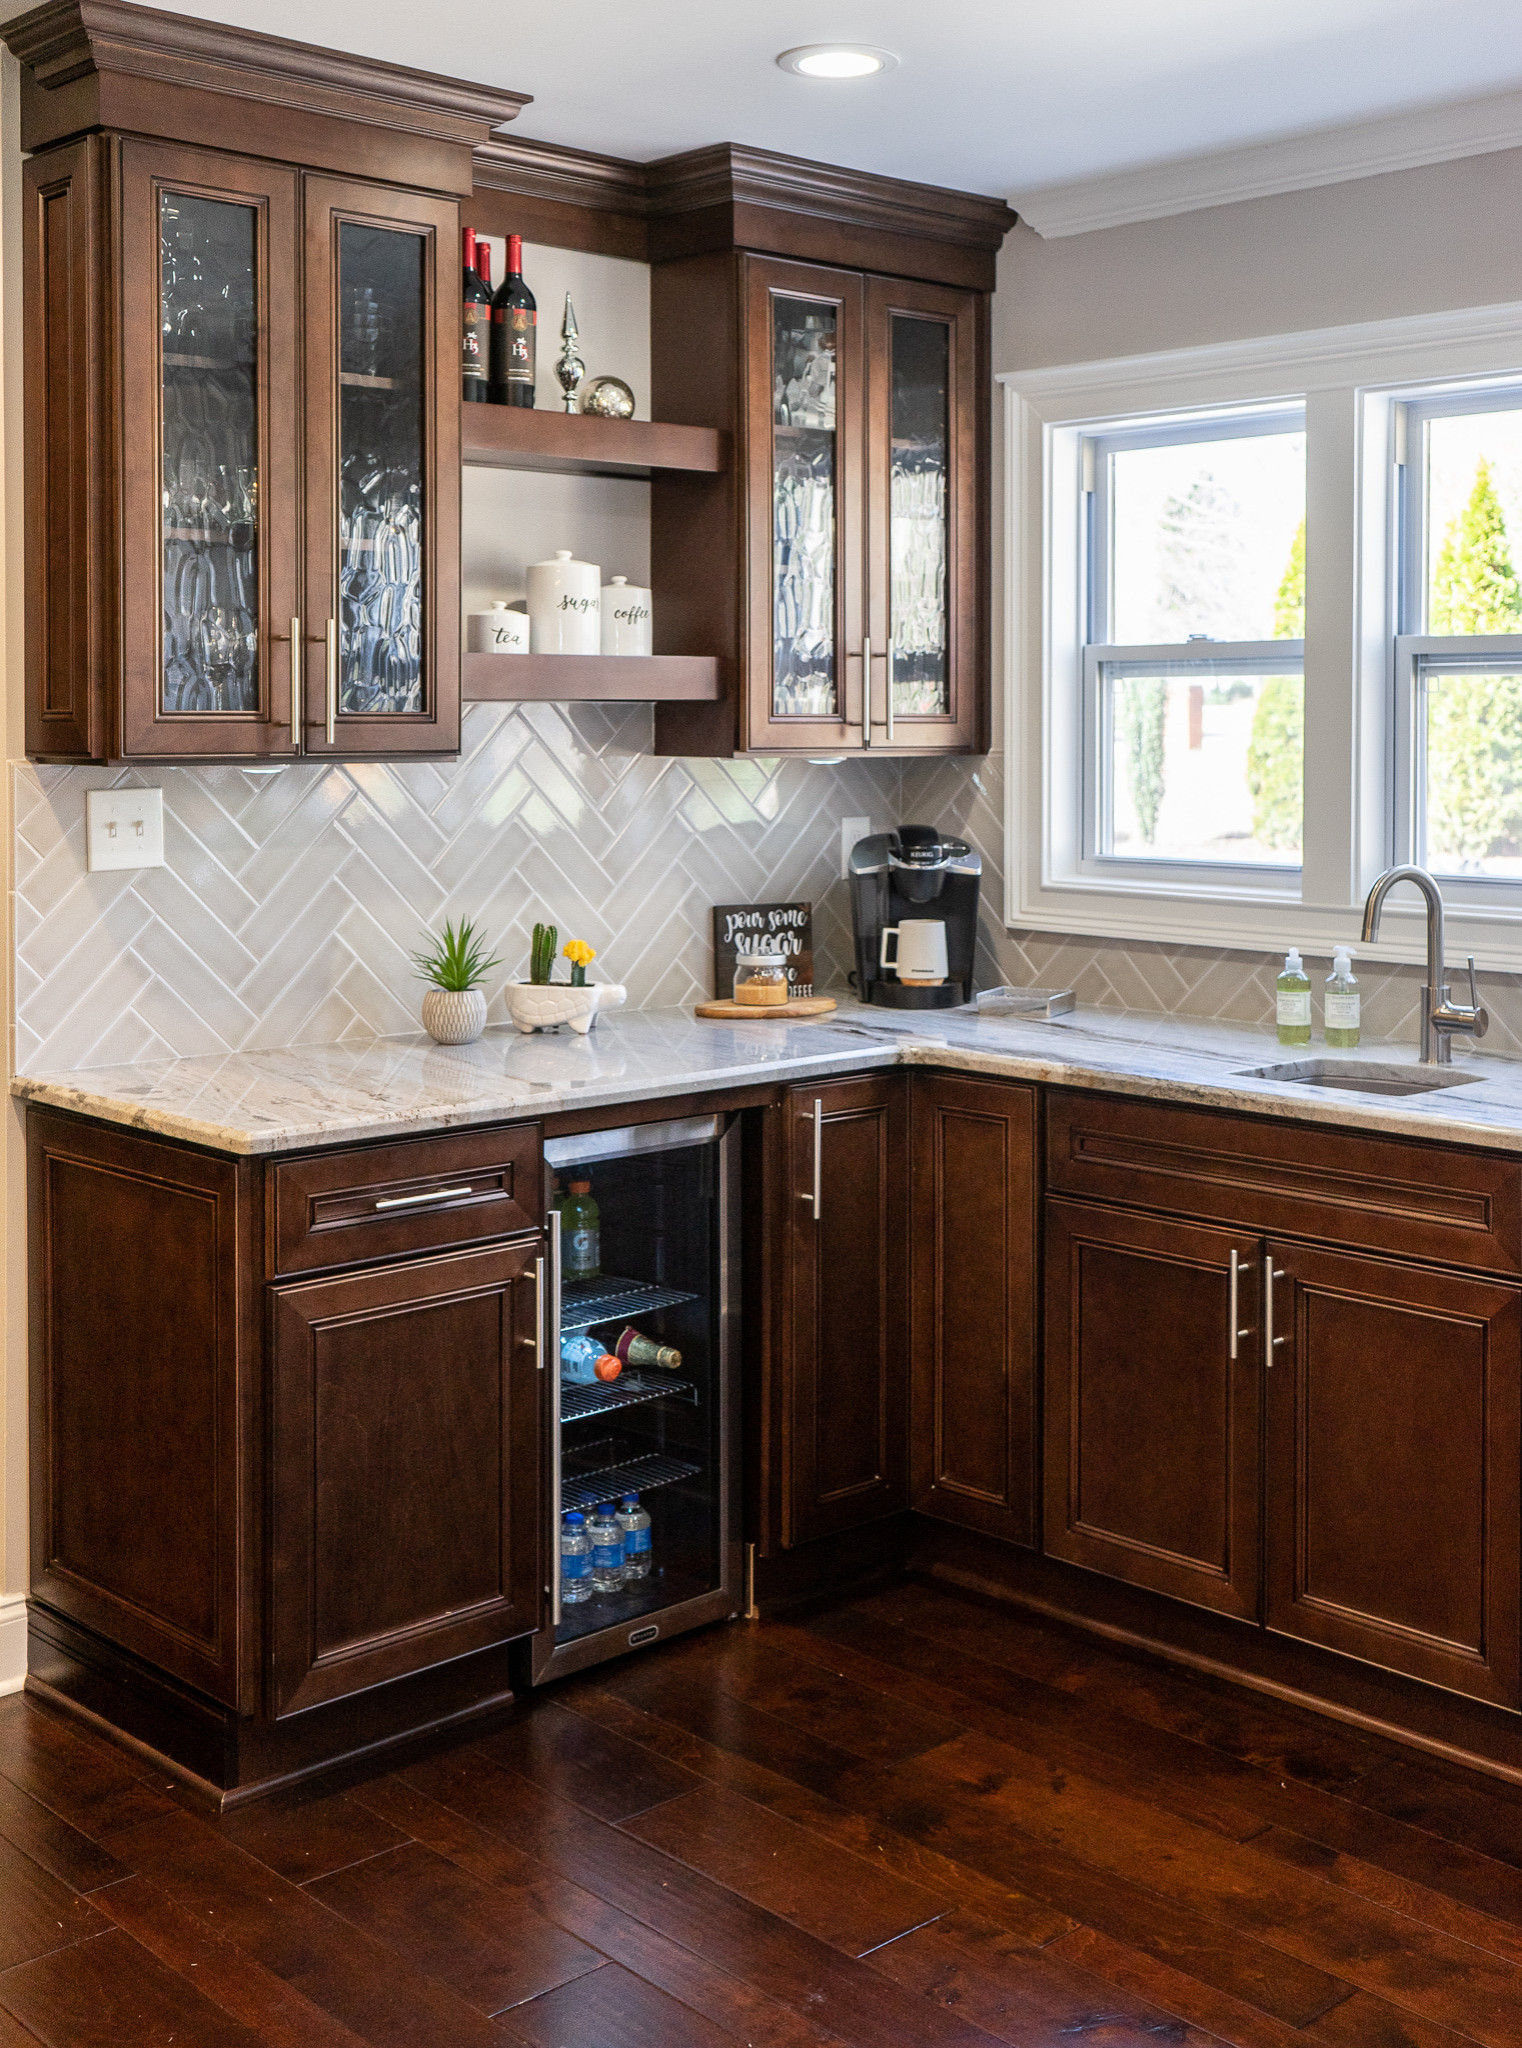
(545, 1005)
(454, 1016)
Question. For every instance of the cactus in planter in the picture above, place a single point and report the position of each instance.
(542, 953)
(579, 953)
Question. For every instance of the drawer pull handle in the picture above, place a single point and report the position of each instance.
(412, 1201)
(1271, 1343)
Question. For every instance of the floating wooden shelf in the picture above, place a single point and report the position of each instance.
(524, 437)
(579, 678)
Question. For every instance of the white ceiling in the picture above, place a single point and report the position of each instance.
(997, 96)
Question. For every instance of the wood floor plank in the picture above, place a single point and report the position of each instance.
(360, 1981)
(279, 2015)
(985, 1973)
(1481, 1813)
(609, 1778)
(305, 1838)
(1324, 1926)
(778, 1865)
(13, 2034)
(77, 1775)
(798, 1969)
(1399, 1893)
(110, 1993)
(613, 2009)
(1033, 1919)
(745, 2009)
(38, 1912)
(50, 1840)
(487, 1945)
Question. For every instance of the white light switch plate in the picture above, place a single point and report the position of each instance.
(124, 828)
(851, 829)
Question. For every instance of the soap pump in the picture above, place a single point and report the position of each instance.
(1341, 1005)
(1292, 1007)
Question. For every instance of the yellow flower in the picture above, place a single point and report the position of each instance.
(578, 952)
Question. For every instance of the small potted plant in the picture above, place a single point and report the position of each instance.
(544, 1004)
(454, 1009)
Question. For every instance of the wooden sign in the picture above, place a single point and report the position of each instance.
(786, 928)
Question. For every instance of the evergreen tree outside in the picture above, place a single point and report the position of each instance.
(1276, 750)
(1474, 722)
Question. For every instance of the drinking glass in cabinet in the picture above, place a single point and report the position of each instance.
(918, 515)
(803, 509)
(381, 303)
(208, 297)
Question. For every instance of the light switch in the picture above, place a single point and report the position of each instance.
(124, 828)
(851, 829)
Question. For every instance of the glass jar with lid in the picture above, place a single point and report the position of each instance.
(761, 979)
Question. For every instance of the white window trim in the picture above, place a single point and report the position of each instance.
(1350, 380)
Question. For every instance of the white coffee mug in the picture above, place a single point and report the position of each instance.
(564, 606)
(499, 631)
(919, 951)
(626, 622)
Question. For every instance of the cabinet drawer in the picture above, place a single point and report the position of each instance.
(381, 1201)
(1419, 1200)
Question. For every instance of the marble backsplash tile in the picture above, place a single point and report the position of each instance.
(291, 901)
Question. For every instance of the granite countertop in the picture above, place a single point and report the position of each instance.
(303, 1096)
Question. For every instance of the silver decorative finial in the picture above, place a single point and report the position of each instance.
(570, 369)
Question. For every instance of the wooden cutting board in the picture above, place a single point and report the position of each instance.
(799, 1006)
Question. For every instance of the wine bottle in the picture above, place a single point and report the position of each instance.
(514, 321)
(475, 358)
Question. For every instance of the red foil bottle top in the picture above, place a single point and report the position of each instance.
(515, 255)
(470, 248)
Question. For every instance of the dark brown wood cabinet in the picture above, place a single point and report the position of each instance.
(844, 1327)
(1153, 1447)
(974, 1264)
(242, 392)
(405, 1417)
(1394, 1434)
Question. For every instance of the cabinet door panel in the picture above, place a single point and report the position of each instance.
(382, 479)
(1152, 1428)
(926, 523)
(974, 1311)
(1393, 1493)
(406, 1458)
(208, 336)
(848, 1300)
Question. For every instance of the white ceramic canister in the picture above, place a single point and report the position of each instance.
(626, 622)
(564, 603)
(499, 631)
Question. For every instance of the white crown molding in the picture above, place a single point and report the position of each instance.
(1289, 163)
(12, 1642)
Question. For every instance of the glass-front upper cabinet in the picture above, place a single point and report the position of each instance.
(926, 535)
(208, 470)
(382, 630)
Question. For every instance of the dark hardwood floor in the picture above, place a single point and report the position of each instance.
(909, 1821)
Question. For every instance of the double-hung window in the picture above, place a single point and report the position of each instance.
(1458, 648)
(1192, 640)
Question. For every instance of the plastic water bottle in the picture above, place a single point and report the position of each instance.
(635, 1523)
(583, 1361)
(607, 1541)
(575, 1560)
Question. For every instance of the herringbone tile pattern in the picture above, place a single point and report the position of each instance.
(292, 900)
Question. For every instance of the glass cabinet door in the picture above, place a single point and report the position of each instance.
(209, 466)
(805, 655)
(925, 534)
(383, 534)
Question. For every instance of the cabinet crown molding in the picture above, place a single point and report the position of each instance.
(80, 43)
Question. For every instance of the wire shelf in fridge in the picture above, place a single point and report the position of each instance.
(638, 1475)
(607, 1300)
(577, 1402)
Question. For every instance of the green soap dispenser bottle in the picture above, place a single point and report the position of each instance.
(1292, 1007)
(1342, 1004)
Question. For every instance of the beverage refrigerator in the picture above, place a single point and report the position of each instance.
(669, 1200)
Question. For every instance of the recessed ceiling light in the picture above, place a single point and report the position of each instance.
(837, 60)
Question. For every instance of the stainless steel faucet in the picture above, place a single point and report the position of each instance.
(1440, 1018)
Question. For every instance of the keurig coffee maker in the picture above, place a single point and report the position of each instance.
(914, 903)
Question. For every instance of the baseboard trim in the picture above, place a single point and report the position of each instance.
(12, 1642)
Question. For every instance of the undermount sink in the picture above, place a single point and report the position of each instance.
(1362, 1077)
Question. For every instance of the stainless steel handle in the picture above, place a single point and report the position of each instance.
(813, 1198)
(888, 689)
(332, 691)
(540, 1331)
(553, 1347)
(1231, 1303)
(866, 690)
(411, 1201)
(1271, 1343)
(295, 682)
